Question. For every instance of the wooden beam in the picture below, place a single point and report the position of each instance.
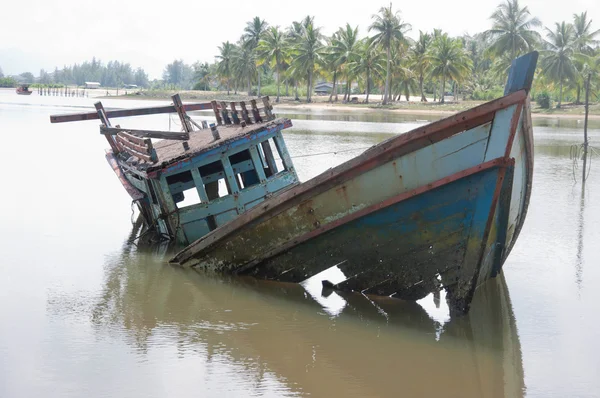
(101, 113)
(215, 109)
(167, 135)
(74, 117)
(183, 117)
(245, 115)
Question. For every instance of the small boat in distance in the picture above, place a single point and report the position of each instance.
(439, 207)
(23, 89)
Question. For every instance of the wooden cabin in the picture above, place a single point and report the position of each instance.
(189, 183)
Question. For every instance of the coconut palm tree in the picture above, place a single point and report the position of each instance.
(343, 49)
(449, 60)
(308, 53)
(244, 64)
(225, 64)
(585, 41)
(369, 61)
(419, 61)
(271, 49)
(512, 30)
(331, 63)
(585, 38)
(253, 32)
(390, 30)
(557, 62)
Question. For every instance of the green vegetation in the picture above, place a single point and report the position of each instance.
(383, 66)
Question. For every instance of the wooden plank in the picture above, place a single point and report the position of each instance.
(269, 157)
(215, 109)
(255, 112)
(234, 114)
(268, 108)
(245, 115)
(167, 135)
(224, 113)
(136, 140)
(258, 166)
(140, 155)
(132, 145)
(73, 117)
(183, 117)
(520, 75)
(101, 113)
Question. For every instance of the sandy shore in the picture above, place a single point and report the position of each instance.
(319, 107)
(401, 107)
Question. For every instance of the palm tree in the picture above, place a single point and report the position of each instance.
(419, 61)
(585, 39)
(308, 53)
(253, 32)
(512, 30)
(225, 68)
(369, 61)
(244, 64)
(331, 63)
(448, 59)
(343, 49)
(271, 49)
(390, 29)
(557, 62)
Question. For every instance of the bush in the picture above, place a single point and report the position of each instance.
(487, 95)
(543, 100)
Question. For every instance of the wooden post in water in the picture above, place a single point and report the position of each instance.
(585, 125)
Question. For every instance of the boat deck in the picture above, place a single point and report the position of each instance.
(201, 141)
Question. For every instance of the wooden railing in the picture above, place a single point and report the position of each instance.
(238, 112)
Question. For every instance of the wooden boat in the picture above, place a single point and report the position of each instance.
(228, 168)
(23, 89)
(438, 207)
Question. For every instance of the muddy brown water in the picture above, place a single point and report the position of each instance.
(85, 313)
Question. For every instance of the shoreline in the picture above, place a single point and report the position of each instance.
(401, 108)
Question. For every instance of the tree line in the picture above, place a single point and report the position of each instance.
(389, 62)
(111, 74)
(386, 61)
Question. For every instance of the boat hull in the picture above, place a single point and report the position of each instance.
(433, 208)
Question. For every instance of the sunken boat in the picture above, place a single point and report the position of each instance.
(439, 207)
(189, 183)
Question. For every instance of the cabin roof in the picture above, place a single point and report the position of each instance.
(171, 151)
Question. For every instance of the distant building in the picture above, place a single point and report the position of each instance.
(92, 85)
(323, 88)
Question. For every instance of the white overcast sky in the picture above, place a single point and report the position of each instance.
(38, 34)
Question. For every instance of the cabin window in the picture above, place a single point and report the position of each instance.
(244, 169)
(183, 189)
(215, 182)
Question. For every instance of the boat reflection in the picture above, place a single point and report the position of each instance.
(334, 345)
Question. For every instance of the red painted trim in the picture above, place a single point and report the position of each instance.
(499, 162)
